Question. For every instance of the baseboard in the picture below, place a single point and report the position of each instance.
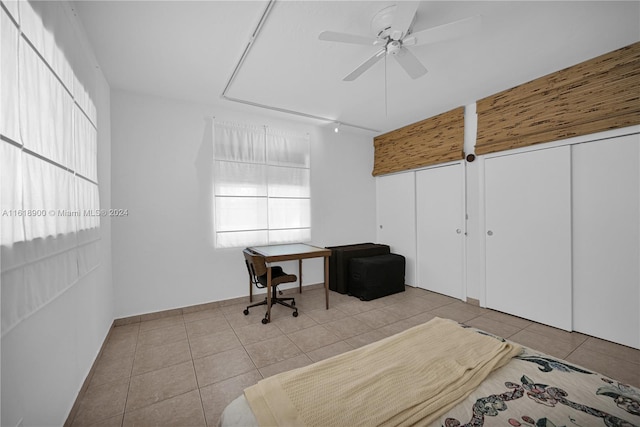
(473, 301)
(199, 307)
(87, 381)
(158, 315)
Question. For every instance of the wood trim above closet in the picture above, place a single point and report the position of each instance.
(438, 139)
(593, 96)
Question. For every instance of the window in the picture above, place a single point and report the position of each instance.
(261, 186)
(49, 203)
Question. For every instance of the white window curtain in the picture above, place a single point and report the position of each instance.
(49, 235)
(261, 186)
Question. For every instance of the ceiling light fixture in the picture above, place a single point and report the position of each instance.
(337, 128)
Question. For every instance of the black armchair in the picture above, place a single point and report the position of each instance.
(257, 268)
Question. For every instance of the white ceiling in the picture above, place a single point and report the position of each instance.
(187, 50)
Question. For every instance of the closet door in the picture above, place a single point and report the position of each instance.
(606, 236)
(396, 215)
(528, 235)
(440, 229)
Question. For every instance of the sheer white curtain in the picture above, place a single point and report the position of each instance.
(48, 161)
(261, 186)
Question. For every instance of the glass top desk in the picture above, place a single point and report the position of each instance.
(293, 251)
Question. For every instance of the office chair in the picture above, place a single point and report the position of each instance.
(257, 269)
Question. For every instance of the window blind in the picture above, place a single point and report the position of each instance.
(435, 140)
(261, 186)
(596, 95)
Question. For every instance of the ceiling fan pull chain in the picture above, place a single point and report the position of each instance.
(385, 86)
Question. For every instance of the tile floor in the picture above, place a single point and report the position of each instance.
(184, 369)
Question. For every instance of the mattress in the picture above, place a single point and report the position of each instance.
(532, 389)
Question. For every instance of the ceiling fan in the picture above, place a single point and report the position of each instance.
(392, 28)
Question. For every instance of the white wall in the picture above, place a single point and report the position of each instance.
(46, 357)
(163, 255)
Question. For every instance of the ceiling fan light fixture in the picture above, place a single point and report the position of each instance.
(382, 21)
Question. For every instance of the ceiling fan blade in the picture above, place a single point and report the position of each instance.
(365, 65)
(410, 63)
(403, 18)
(450, 31)
(333, 36)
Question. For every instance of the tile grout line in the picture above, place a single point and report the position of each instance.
(195, 373)
(126, 399)
(349, 314)
(241, 343)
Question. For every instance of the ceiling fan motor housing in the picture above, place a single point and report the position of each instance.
(393, 47)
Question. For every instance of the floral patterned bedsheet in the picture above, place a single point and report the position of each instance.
(538, 390)
(532, 390)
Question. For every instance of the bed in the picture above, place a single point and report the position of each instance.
(437, 374)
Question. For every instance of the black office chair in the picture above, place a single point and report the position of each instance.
(257, 269)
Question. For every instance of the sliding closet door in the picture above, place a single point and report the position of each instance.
(396, 217)
(606, 236)
(528, 235)
(440, 229)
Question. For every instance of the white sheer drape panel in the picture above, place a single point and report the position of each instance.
(240, 179)
(46, 110)
(12, 7)
(285, 149)
(10, 195)
(242, 238)
(261, 186)
(88, 204)
(50, 202)
(40, 22)
(289, 182)
(9, 82)
(86, 146)
(241, 214)
(49, 197)
(86, 103)
(277, 237)
(84, 78)
(289, 213)
(239, 143)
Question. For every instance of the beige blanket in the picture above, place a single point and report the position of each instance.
(407, 379)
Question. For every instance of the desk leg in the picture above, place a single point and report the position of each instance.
(300, 273)
(326, 280)
(268, 294)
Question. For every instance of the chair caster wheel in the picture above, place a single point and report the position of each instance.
(293, 303)
(246, 311)
(265, 321)
(295, 314)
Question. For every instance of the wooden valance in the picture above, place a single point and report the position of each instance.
(596, 95)
(438, 139)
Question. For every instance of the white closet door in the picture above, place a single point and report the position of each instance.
(440, 229)
(396, 214)
(528, 235)
(606, 220)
